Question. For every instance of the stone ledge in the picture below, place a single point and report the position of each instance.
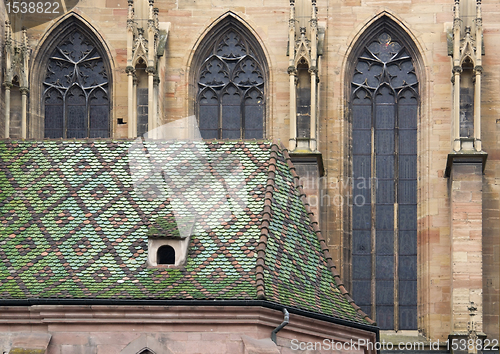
(465, 157)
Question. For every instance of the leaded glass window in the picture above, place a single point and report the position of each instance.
(384, 106)
(76, 97)
(230, 97)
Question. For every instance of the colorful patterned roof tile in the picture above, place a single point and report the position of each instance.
(75, 217)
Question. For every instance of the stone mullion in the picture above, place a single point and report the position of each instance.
(396, 215)
(373, 196)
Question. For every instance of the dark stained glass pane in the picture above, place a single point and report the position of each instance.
(407, 267)
(361, 217)
(384, 217)
(407, 242)
(407, 116)
(407, 292)
(384, 292)
(231, 134)
(407, 217)
(99, 115)
(362, 267)
(384, 116)
(407, 192)
(385, 243)
(231, 119)
(408, 316)
(467, 108)
(54, 114)
(361, 142)
(98, 122)
(361, 166)
(362, 116)
(76, 113)
(385, 166)
(385, 317)
(231, 113)
(408, 141)
(385, 191)
(142, 111)
(408, 166)
(303, 125)
(254, 115)
(209, 134)
(384, 142)
(361, 242)
(254, 125)
(361, 191)
(361, 291)
(384, 268)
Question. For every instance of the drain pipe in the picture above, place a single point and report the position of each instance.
(283, 324)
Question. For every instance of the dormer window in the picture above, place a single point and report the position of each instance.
(165, 255)
(168, 241)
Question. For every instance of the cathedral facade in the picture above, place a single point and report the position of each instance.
(389, 110)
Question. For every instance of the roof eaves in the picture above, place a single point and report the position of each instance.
(266, 220)
(324, 247)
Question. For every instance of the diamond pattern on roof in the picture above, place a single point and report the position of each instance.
(72, 225)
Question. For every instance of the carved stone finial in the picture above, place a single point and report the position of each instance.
(302, 31)
(292, 2)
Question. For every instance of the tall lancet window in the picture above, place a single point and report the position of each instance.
(76, 90)
(230, 85)
(384, 106)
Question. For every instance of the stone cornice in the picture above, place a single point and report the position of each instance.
(198, 316)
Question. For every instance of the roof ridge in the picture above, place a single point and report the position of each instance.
(324, 247)
(266, 217)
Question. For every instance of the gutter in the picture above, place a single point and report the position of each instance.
(155, 302)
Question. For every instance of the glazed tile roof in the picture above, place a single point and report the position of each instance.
(74, 224)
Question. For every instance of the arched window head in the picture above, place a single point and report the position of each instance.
(76, 88)
(145, 351)
(230, 84)
(165, 255)
(384, 100)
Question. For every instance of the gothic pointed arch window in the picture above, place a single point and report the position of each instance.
(76, 87)
(384, 107)
(230, 84)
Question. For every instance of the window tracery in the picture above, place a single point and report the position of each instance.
(384, 108)
(76, 97)
(230, 99)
